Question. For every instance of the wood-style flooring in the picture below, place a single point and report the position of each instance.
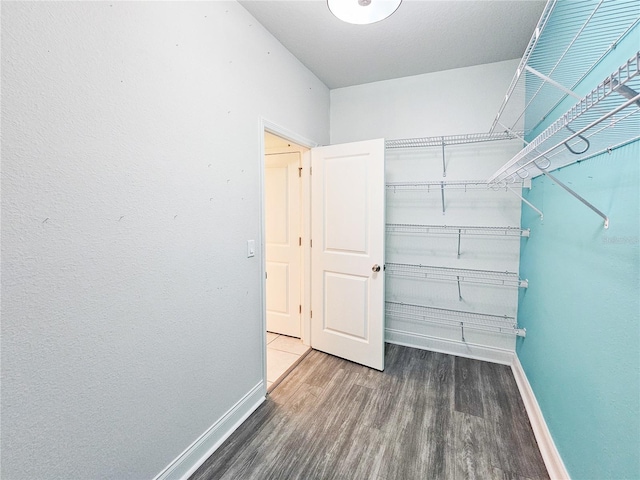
(427, 416)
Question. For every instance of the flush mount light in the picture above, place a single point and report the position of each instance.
(363, 12)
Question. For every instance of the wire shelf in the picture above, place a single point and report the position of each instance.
(457, 230)
(450, 140)
(453, 318)
(460, 275)
(453, 185)
(569, 41)
(606, 118)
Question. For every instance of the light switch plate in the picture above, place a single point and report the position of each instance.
(251, 248)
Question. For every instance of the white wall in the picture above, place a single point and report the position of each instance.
(463, 100)
(131, 317)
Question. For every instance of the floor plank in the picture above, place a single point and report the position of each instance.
(468, 393)
(472, 447)
(428, 415)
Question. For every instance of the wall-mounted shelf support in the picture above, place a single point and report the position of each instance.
(552, 82)
(526, 201)
(589, 205)
(454, 318)
(444, 164)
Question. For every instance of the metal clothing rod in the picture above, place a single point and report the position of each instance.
(606, 219)
(584, 129)
(552, 82)
(525, 201)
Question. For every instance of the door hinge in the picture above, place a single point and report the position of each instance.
(310, 313)
(299, 241)
(265, 275)
(310, 170)
(300, 309)
(299, 171)
(311, 243)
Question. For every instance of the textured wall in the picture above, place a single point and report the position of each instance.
(464, 100)
(131, 317)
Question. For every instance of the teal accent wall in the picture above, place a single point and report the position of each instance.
(581, 311)
(582, 308)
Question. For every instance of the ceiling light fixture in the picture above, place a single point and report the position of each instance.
(363, 12)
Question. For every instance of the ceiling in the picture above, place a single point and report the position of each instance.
(422, 36)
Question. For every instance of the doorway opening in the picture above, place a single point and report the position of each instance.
(284, 193)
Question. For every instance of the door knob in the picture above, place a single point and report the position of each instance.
(375, 268)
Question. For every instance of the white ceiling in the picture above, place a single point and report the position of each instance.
(422, 36)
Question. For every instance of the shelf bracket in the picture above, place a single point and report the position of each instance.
(586, 203)
(552, 82)
(525, 201)
(444, 165)
(442, 193)
(459, 235)
(462, 329)
(459, 292)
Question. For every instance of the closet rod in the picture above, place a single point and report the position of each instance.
(583, 130)
(569, 190)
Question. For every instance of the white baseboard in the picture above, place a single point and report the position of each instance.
(196, 454)
(460, 349)
(552, 460)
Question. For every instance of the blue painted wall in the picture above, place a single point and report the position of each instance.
(582, 308)
(581, 354)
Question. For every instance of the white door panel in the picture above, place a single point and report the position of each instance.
(348, 240)
(283, 253)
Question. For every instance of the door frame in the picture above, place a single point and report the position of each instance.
(305, 331)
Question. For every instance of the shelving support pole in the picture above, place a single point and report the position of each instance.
(525, 201)
(552, 82)
(444, 165)
(589, 205)
(442, 192)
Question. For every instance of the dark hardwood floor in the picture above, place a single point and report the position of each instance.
(427, 416)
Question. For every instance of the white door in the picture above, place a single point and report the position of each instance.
(282, 238)
(347, 226)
